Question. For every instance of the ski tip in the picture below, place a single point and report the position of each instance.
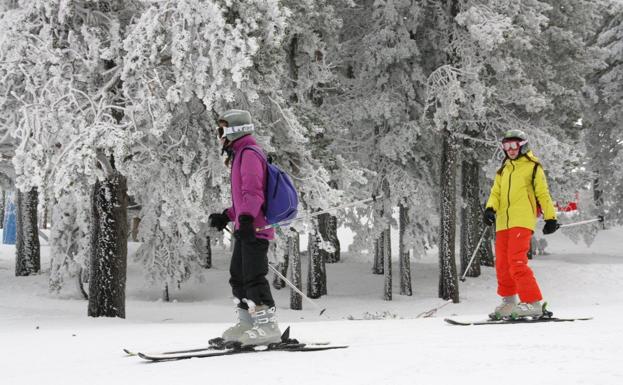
(453, 322)
(128, 352)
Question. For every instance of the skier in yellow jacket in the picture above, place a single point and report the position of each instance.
(520, 187)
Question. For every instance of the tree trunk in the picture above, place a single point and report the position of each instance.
(296, 301)
(136, 221)
(377, 268)
(208, 253)
(403, 255)
(44, 220)
(387, 265)
(486, 249)
(281, 267)
(165, 293)
(471, 223)
(327, 224)
(203, 248)
(109, 247)
(598, 194)
(315, 273)
(448, 280)
(28, 255)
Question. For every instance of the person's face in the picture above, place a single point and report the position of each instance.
(512, 148)
(222, 138)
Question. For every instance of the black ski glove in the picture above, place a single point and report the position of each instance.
(246, 230)
(551, 225)
(489, 216)
(218, 220)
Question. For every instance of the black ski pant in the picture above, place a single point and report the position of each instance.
(248, 269)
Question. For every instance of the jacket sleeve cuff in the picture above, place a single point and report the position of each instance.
(229, 214)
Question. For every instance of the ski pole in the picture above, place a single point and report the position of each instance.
(600, 218)
(474, 254)
(296, 289)
(287, 222)
(429, 313)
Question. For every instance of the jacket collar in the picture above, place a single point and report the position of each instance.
(527, 157)
(245, 141)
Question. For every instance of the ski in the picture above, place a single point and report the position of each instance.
(219, 347)
(214, 344)
(514, 321)
(194, 350)
(282, 346)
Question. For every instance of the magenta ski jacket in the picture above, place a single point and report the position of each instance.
(248, 185)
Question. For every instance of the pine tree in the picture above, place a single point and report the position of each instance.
(379, 106)
(603, 117)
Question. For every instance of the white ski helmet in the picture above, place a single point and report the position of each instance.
(517, 135)
(238, 124)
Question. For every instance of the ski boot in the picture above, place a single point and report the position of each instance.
(265, 330)
(245, 322)
(504, 310)
(528, 310)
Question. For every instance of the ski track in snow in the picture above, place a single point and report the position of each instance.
(48, 338)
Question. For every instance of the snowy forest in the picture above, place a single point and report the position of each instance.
(108, 109)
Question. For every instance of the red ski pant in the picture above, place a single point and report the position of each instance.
(511, 264)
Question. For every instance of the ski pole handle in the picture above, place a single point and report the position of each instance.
(474, 254)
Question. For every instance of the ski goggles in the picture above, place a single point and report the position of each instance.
(235, 129)
(513, 144)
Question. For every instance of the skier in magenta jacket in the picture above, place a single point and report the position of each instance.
(248, 186)
(257, 323)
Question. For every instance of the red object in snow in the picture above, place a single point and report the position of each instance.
(571, 206)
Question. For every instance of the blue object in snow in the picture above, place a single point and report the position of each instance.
(9, 226)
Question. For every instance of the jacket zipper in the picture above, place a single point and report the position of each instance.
(508, 197)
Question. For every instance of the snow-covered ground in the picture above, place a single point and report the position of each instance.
(48, 339)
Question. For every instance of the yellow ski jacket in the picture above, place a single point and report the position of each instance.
(514, 197)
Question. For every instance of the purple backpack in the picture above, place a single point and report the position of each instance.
(281, 197)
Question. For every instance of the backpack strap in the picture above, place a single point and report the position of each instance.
(536, 166)
(257, 150)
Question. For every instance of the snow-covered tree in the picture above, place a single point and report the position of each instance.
(185, 61)
(65, 59)
(379, 105)
(604, 133)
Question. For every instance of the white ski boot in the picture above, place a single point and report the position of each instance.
(505, 309)
(524, 310)
(265, 330)
(245, 322)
